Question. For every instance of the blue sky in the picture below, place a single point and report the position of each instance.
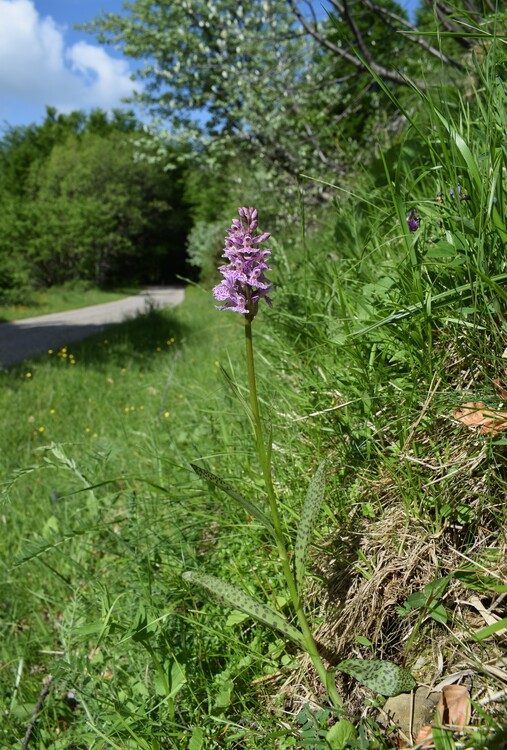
(45, 61)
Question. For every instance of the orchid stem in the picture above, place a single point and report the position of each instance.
(310, 645)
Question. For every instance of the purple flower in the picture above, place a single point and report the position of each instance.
(244, 283)
(413, 220)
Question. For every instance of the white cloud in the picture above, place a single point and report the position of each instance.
(37, 68)
(109, 77)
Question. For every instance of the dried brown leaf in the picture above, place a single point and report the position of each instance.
(424, 736)
(454, 707)
(502, 392)
(477, 414)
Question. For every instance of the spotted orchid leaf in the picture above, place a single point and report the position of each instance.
(233, 597)
(383, 677)
(309, 515)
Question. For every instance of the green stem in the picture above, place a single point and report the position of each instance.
(311, 647)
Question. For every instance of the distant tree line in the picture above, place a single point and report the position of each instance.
(80, 200)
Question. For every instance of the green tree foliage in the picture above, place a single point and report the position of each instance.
(287, 83)
(284, 88)
(21, 146)
(81, 202)
(232, 78)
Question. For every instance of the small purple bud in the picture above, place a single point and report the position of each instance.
(261, 237)
(413, 220)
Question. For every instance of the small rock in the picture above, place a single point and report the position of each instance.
(410, 711)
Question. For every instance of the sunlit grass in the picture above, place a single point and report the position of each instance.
(60, 299)
(125, 410)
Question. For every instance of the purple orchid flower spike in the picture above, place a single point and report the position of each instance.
(244, 283)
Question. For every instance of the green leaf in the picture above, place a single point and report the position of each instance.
(490, 630)
(160, 683)
(89, 629)
(339, 734)
(467, 155)
(435, 589)
(309, 515)
(443, 739)
(142, 629)
(250, 507)
(169, 682)
(236, 618)
(244, 403)
(474, 578)
(224, 693)
(363, 641)
(463, 148)
(417, 600)
(233, 597)
(178, 678)
(438, 613)
(383, 677)
(442, 249)
(197, 739)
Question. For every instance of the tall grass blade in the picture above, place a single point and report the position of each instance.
(250, 507)
(490, 630)
(233, 597)
(244, 403)
(461, 294)
(309, 515)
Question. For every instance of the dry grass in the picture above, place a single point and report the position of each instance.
(367, 572)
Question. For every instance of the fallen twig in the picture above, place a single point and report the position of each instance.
(35, 712)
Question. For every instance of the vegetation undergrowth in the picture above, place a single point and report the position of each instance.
(384, 353)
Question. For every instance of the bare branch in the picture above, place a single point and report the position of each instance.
(320, 38)
(337, 6)
(349, 20)
(420, 40)
(444, 12)
(42, 697)
(311, 9)
(386, 73)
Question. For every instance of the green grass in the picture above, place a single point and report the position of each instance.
(137, 405)
(60, 299)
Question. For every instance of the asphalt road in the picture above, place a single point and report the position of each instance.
(26, 338)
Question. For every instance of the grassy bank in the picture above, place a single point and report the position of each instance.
(60, 299)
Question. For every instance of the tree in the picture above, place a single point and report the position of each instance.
(267, 80)
(80, 202)
(22, 145)
(231, 78)
(103, 215)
